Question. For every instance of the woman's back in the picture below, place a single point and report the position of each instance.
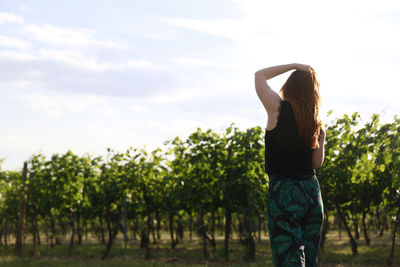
(287, 154)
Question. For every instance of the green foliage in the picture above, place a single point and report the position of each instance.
(208, 173)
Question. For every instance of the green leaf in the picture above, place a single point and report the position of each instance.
(382, 167)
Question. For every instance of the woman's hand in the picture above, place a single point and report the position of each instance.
(302, 67)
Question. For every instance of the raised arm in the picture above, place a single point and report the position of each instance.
(268, 97)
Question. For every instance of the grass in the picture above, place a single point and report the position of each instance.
(337, 253)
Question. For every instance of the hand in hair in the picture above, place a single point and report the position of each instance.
(302, 67)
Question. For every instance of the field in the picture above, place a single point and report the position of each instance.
(209, 182)
(337, 253)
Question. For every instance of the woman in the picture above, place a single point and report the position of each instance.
(294, 148)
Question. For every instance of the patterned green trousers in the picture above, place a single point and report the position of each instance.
(295, 215)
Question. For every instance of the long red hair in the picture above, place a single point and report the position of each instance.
(302, 91)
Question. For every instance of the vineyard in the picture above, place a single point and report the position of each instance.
(211, 184)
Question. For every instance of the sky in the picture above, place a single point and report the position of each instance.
(88, 75)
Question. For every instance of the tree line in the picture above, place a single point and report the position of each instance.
(207, 183)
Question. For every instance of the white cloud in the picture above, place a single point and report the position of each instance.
(56, 105)
(179, 95)
(17, 84)
(34, 74)
(137, 64)
(66, 37)
(25, 9)
(224, 120)
(7, 17)
(17, 141)
(17, 56)
(228, 28)
(205, 63)
(138, 108)
(76, 71)
(301, 27)
(80, 61)
(184, 126)
(165, 130)
(74, 59)
(104, 110)
(13, 42)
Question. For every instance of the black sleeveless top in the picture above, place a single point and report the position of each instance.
(287, 154)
